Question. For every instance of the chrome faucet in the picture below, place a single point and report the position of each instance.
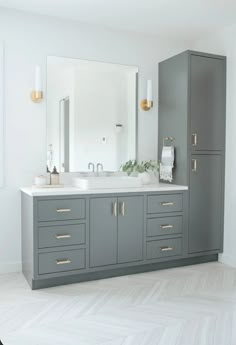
(91, 165)
(99, 165)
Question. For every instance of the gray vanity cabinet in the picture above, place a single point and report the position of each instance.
(103, 231)
(73, 238)
(120, 222)
(130, 229)
(192, 97)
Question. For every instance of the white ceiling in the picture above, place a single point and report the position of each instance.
(182, 19)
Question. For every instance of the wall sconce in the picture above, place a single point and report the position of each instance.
(147, 104)
(37, 93)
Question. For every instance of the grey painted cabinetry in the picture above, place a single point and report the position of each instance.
(130, 229)
(74, 238)
(205, 207)
(207, 102)
(103, 232)
(120, 222)
(192, 110)
(165, 222)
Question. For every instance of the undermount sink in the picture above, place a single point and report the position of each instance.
(103, 182)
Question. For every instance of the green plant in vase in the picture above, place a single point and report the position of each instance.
(132, 167)
(146, 169)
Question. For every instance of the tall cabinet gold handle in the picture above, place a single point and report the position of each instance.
(194, 139)
(114, 209)
(194, 165)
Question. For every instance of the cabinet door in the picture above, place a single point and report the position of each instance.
(205, 218)
(207, 103)
(130, 229)
(103, 231)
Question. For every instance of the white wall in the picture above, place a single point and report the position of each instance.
(223, 43)
(29, 40)
(1, 112)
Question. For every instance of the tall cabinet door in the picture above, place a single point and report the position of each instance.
(130, 229)
(103, 231)
(207, 103)
(205, 218)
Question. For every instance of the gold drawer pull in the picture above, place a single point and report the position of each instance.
(166, 226)
(166, 249)
(61, 210)
(63, 262)
(59, 237)
(168, 203)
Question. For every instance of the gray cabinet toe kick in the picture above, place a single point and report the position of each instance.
(102, 235)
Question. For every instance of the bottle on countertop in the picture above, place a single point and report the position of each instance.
(55, 177)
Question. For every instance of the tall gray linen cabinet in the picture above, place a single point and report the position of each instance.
(192, 102)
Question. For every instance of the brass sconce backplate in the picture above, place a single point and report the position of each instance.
(146, 105)
(37, 96)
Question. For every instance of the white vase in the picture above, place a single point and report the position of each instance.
(151, 177)
(154, 177)
(145, 177)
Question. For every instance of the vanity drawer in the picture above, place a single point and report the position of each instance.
(165, 203)
(61, 235)
(61, 209)
(61, 261)
(164, 248)
(164, 226)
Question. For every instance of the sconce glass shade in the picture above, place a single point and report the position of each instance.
(37, 94)
(38, 80)
(149, 91)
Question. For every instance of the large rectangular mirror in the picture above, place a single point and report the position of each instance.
(91, 114)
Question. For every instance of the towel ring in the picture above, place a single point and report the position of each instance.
(167, 139)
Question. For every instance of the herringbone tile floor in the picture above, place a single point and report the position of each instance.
(194, 305)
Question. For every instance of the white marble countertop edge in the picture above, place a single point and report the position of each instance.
(69, 190)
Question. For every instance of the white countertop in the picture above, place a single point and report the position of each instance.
(69, 190)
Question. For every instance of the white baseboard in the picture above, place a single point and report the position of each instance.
(10, 267)
(228, 259)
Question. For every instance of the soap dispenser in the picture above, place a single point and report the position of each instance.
(55, 179)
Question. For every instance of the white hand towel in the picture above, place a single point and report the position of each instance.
(167, 156)
(167, 163)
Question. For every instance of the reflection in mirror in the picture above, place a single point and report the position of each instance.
(91, 114)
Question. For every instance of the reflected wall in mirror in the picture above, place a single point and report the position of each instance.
(91, 114)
